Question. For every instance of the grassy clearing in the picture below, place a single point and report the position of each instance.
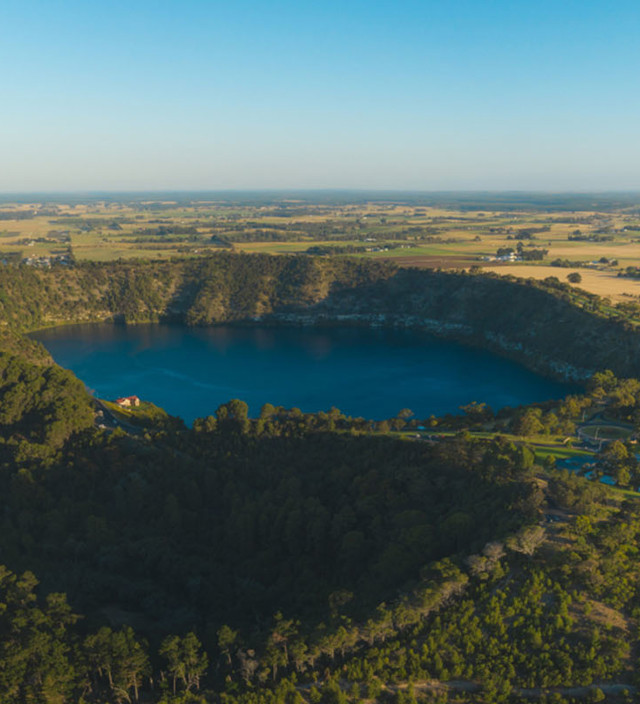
(543, 445)
(560, 452)
(607, 432)
(146, 413)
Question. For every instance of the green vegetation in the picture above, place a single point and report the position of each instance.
(42, 406)
(145, 415)
(243, 288)
(415, 564)
(300, 558)
(220, 288)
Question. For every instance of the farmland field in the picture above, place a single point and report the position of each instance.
(597, 238)
(602, 283)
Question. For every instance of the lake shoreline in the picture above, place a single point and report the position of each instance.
(367, 371)
(461, 333)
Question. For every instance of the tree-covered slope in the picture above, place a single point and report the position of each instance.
(41, 406)
(251, 524)
(199, 292)
(310, 567)
(548, 326)
(310, 558)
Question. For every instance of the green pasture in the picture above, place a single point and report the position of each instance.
(606, 432)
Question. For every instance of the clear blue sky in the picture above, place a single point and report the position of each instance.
(429, 94)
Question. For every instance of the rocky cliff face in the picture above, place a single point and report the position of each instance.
(198, 292)
(541, 327)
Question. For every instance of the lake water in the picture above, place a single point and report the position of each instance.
(364, 372)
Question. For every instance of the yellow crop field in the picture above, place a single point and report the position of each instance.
(603, 283)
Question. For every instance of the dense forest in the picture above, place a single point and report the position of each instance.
(302, 558)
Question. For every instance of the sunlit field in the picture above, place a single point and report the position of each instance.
(545, 240)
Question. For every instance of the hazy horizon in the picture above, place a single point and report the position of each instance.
(326, 190)
(410, 96)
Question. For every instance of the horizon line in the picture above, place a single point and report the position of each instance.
(494, 191)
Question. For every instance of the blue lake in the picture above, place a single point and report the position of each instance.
(364, 372)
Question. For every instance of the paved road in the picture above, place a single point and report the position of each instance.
(111, 422)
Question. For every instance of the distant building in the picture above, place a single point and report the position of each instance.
(128, 401)
(46, 262)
